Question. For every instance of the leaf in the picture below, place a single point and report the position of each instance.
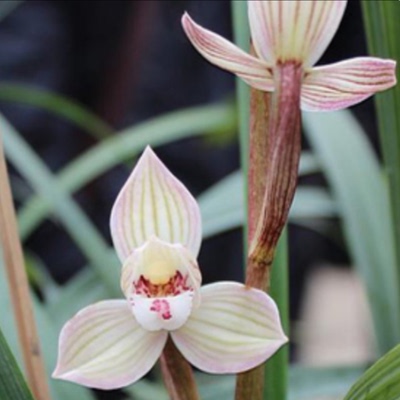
(220, 215)
(354, 174)
(7, 7)
(57, 105)
(381, 381)
(381, 20)
(74, 220)
(12, 383)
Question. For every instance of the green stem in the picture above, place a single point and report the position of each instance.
(276, 371)
(242, 38)
(381, 20)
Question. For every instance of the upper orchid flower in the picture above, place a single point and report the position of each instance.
(223, 327)
(296, 32)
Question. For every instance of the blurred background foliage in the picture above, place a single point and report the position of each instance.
(85, 86)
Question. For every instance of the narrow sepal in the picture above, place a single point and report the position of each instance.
(293, 30)
(226, 55)
(154, 203)
(343, 84)
(103, 347)
(235, 329)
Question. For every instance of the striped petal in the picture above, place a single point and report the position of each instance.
(293, 30)
(346, 83)
(226, 55)
(104, 347)
(234, 329)
(154, 203)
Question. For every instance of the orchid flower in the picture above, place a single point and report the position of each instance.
(296, 32)
(288, 38)
(223, 327)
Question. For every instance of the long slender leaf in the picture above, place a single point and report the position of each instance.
(127, 144)
(381, 381)
(219, 215)
(383, 31)
(57, 105)
(75, 221)
(354, 175)
(12, 383)
(241, 34)
(8, 6)
(276, 371)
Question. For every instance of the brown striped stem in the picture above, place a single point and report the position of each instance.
(177, 374)
(275, 148)
(19, 289)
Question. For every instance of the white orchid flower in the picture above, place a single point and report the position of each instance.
(296, 32)
(223, 327)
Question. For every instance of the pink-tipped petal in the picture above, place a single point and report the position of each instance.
(234, 329)
(226, 55)
(289, 30)
(154, 203)
(104, 347)
(343, 84)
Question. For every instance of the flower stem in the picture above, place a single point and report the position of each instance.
(277, 173)
(177, 374)
(275, 148)
(19, 288)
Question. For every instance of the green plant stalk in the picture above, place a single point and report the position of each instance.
(242, 38)
(276, 371)
(381, 20)
(12, 383)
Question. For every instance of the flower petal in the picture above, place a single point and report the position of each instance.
(293, 30)
(226, 55)
(343, 84)
(154, 202)
(103, 347)
(235, 329)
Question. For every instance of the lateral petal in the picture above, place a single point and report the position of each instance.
(293, 30)
(103, 347)
(235, 329)
(154, 203)
(343, 84)
(226, 55)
